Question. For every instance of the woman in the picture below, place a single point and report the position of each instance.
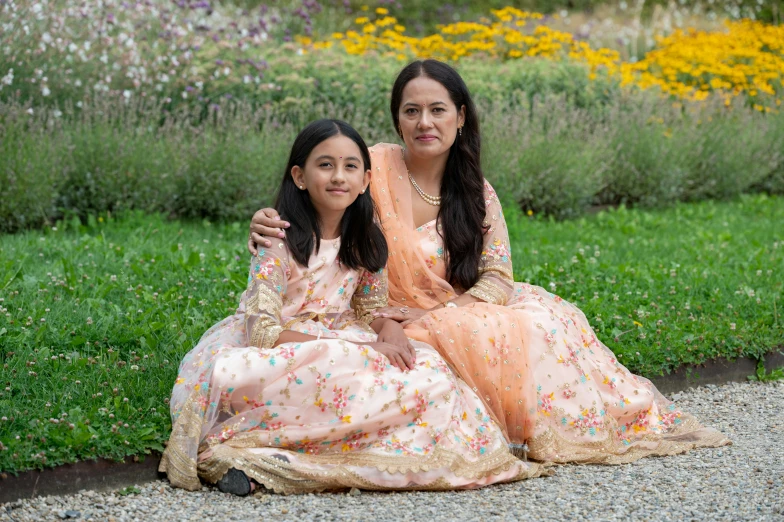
(531, 356)
(303, 389)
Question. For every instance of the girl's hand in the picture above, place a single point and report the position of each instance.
(399, 313)
(398, 357)
(392, 333)
(265, 222)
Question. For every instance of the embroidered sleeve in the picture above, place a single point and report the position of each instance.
(371, 293)
(496, 280)
(269, 273)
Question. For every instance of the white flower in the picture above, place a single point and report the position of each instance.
(45, 91)
(127, 94)
(8, 79)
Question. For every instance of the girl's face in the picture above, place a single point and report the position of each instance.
(333, 174)
(428, 119)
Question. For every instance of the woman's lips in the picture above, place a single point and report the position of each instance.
(426, 137)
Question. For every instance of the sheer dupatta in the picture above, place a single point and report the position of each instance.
(411, 282)
(474, 339)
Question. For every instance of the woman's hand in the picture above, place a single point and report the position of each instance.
(399, 357)
(265, 222)
(401, 314)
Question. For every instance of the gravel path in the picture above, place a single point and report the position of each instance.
(744, 481)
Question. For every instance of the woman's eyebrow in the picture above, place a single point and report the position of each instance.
(419, 104)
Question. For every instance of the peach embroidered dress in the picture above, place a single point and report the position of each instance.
(329, 413)
(531, 356)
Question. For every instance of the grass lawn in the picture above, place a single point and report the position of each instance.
(95, 318)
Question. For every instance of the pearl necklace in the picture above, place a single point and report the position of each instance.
(432, 200)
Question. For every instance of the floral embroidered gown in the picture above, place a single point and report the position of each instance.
(531, 356)
(329, 413)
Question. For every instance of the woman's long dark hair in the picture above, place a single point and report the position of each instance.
(362, 244)
(462, 212)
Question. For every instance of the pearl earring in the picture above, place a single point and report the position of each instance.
(460, 130)
(302, 187)
(362, 191)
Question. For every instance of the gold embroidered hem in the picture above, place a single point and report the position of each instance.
(487, 464)
(176, 460)
(689, 434)
(288, 472)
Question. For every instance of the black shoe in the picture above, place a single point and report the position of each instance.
(235, 482)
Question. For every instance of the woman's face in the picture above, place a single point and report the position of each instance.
(428, 119)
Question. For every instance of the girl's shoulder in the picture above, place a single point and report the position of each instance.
(276, 255)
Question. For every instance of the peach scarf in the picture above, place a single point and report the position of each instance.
(482, 342)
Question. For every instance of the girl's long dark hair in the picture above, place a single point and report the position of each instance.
(362, 244)
(462, 212)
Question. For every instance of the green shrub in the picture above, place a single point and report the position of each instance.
(543, 153)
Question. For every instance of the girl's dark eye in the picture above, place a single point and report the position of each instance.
(351, 165)
(410, 111)
(325, 164)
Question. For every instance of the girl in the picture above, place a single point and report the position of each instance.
(303, 389)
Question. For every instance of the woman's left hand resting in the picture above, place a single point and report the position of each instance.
(401, 314)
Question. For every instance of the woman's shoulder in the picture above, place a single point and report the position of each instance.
(383, 148)
(490, 194)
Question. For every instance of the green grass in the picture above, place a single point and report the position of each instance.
(95, 318)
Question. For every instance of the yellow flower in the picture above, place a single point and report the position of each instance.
(747, 59)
